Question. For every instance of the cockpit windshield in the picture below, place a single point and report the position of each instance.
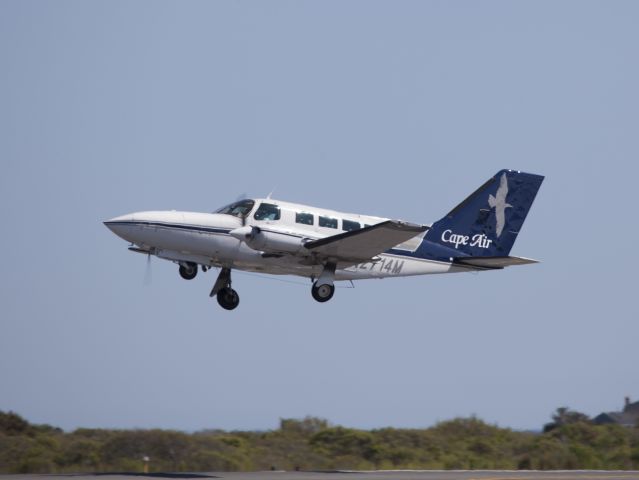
(238, 209)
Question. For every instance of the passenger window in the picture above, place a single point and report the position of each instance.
(349, 225)
(267, 211)
(328, 222)
(304, 218)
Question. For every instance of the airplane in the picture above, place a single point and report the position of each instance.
(274, 237)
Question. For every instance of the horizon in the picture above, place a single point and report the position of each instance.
(278, 426)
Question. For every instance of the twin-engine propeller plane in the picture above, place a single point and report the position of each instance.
(270, 236)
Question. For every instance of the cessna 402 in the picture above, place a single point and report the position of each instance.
(270, 236)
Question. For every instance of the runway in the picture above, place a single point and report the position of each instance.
(351, 475)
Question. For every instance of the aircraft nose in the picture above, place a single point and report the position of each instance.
(121, 219)
(119, 225)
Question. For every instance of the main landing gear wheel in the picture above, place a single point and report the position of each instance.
(188, 271)
(322, 293)
(228, 298)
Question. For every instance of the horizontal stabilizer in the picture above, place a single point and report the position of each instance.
(493, 262)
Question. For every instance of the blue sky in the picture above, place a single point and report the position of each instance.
(397, 109)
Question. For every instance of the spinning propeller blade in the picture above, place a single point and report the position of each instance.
(148, 273)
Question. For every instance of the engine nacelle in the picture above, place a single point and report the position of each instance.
(270, 241)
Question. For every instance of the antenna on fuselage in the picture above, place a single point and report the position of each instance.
(268, 197)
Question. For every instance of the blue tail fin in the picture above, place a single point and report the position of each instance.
(486, 224)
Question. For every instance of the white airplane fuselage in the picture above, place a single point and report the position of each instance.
(205, 239)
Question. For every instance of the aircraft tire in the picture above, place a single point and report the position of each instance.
(188, 272)
(228, 298)
(323, 293)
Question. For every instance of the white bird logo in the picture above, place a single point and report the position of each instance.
(498, 202)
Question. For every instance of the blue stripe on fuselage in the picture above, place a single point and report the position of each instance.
(426, 250)
(178, 226)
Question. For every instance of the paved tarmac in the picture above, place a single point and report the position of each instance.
(376, 475)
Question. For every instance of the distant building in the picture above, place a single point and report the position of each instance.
(629, 417)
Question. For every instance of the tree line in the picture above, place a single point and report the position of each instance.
(571, 441)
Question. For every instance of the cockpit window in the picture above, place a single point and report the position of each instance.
(267, 211)
(238, 209)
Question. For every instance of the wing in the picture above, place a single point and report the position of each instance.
(360, 245)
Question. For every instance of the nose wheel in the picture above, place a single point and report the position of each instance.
(322, 293)
(188, 271)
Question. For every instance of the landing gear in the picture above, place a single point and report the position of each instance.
(188, 270)
(323, 288)
(322, 293)
(226, 296)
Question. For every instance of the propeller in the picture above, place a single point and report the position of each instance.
(255, 231)
(148, 273)
(240, 197)
(246, 233)
(148, 252)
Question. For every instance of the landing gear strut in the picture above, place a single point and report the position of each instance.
(226, 296)
(188, 270)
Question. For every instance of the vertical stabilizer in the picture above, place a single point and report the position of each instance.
(487, 223)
